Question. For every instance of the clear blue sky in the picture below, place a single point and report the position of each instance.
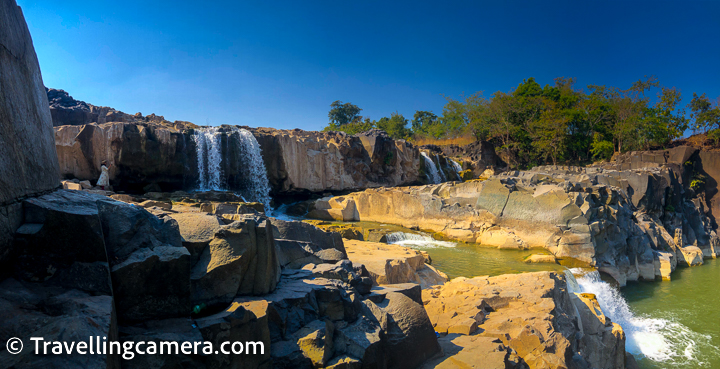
(281, 63)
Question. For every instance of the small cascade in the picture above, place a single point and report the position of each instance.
(660, 340)
(456, 166)
(431, 169)
(443, 177)
(214, 171)
(416, 240)
(209, 157)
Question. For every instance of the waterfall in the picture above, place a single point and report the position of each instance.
(213, 171)
(209, 156)
(417, 240)
(430, 168)
(440, 169)
(258, 188)
(457, 166)
(660, 340)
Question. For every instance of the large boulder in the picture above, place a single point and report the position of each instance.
(240, 260)
(390, 264)
(300, 243)
(72, 239)
(55, 314)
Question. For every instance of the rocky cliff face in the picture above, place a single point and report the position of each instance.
(28, 163)
(139, 154)
(297, 162)
(301, 161)
(631, 224)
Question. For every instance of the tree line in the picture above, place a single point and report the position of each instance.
(533, 125)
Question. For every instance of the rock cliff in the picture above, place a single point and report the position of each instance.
(139, 155)
(28, 163)
(297, 162)
(302, 161)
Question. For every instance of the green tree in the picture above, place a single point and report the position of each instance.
(705, 114)
(549, 132)
(423, 121)
(354, 127)
(395, 126)
(341, 114)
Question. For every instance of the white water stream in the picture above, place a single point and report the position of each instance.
(658, 339)
(417, 240)
(210, 159)
(431, 169)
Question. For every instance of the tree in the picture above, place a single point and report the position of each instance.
(529, 88)
(354, 127)
(549, 132)
(395, 126)
(705, 115)
(341, 114)
(423, 121)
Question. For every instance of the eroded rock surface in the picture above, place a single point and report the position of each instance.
(526, 320)
(391, 264)
(619, 221)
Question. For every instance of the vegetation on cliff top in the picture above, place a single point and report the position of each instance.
(533, 125)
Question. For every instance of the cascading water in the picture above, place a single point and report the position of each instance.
(660, 340)
(259, 186)
(210, 163)
(430, 168)
(209, 157)
(417, 240)
(456, 166)
(439, 168)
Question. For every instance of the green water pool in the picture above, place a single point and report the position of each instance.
(688, 310)
(672, 324)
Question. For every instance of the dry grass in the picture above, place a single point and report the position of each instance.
(459, 141)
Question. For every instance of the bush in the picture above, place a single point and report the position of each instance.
(466, 175)
(714, 135)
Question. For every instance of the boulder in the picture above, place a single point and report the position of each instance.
(53, 313)
(174, 331)
(67, 185)
(301, 243)
(197, 230)
(603, 339)
(244, 323)
(541, 258)
(409, 336)
(239, 260)
(159, 204)
(391, 264)
(141, 295)
(690, 256)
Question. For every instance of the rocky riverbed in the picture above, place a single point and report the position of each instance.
(151, 258)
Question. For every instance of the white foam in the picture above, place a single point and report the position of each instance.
(207, 143)
(431, 169)
(658, 339)
(416, 240)
(457, 166)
